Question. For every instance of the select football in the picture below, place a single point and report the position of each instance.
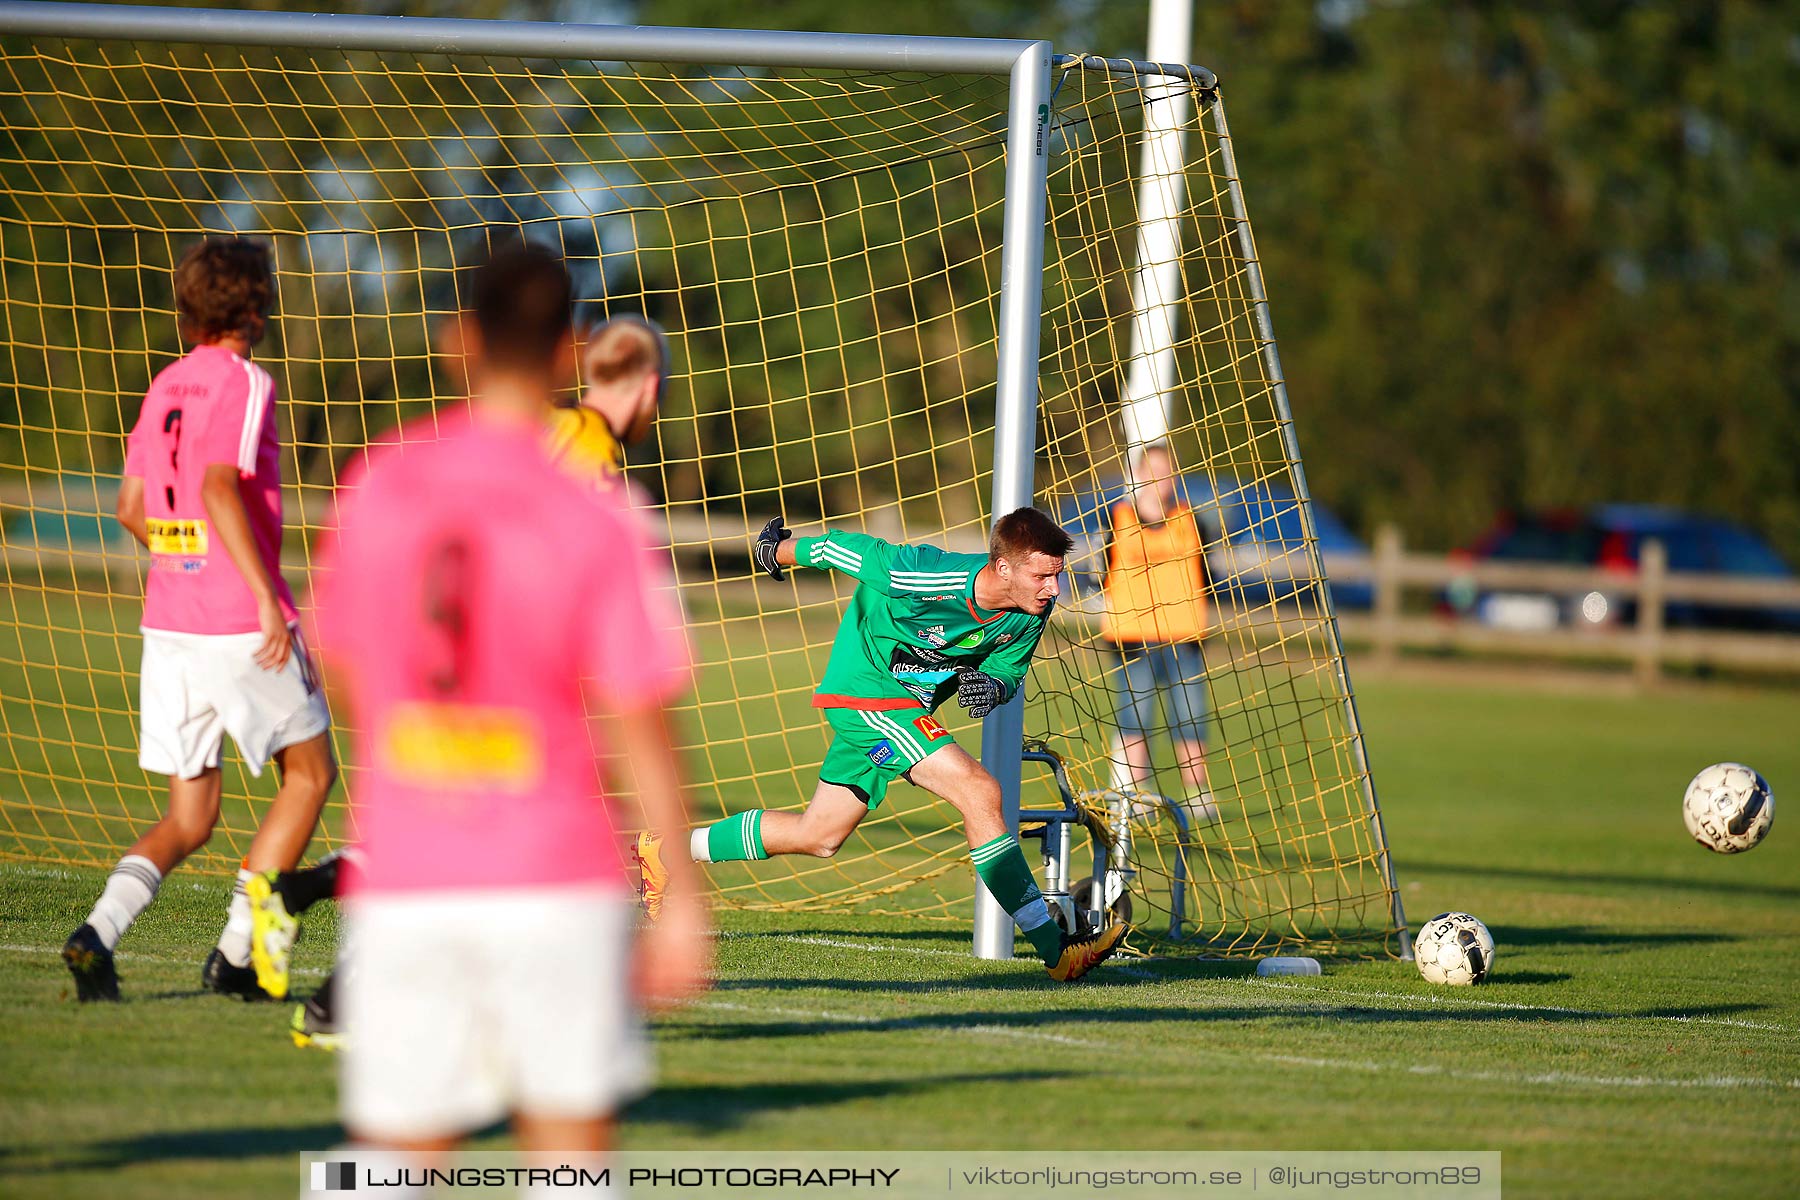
(1728, 808)
(1454, 948)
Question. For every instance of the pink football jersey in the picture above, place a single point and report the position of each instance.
(210, 407)
(472, 598)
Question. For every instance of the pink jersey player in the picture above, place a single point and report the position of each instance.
(211, 407)
(477, 603)
(202, 492)
(469, 586)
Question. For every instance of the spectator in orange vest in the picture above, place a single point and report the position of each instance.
(1155, 617)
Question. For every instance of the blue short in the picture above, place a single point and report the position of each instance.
(1177, 672)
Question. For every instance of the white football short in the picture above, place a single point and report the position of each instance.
(195, 688)
(464, 1007)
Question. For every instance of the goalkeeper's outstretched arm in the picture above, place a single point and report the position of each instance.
(869, 559)
(774, 548)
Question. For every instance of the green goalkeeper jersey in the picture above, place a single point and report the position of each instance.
(912, 622)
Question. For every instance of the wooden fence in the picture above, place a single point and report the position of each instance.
(1647, 641)
(1405, 615)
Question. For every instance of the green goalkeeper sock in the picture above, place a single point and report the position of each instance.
(1001, 865)
(736, 838)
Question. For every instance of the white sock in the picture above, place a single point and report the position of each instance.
(234, 943)
(129, 890)
(697, 849)
(1033, 914)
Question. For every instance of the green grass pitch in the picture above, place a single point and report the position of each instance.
(1640, 1036)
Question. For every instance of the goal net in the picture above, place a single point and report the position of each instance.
(823, 247)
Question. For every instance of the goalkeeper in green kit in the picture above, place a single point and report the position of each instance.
(923, 626)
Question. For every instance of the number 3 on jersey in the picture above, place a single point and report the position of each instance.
(172, 429)
(446, 604)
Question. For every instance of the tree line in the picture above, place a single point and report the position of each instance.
(1517, 254)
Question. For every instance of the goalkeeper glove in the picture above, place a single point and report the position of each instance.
(772, 535)
(978, 692)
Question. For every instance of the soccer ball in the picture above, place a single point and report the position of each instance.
(1728, 808)
(1454, 948)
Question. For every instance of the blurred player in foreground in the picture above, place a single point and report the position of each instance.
(624, 368)
(222, 653)
(924, 625)
(476, 603)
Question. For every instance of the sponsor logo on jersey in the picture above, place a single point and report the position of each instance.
(920, 671)
(933, 634)
(970, 640)
(881, 751)
(1003, 639)
(456, 747)
(177, 539)
(913, 659)
(928, 725)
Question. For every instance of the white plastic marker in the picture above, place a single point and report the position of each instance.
(1288, 966)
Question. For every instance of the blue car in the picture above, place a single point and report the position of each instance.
(1255, 552)
(1613, 536)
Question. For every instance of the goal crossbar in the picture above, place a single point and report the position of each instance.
(536, 39)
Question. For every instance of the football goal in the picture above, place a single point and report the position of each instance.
(904, 282)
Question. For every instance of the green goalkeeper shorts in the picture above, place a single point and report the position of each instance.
(869, 750)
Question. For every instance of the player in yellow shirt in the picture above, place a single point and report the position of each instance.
(624, 367)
